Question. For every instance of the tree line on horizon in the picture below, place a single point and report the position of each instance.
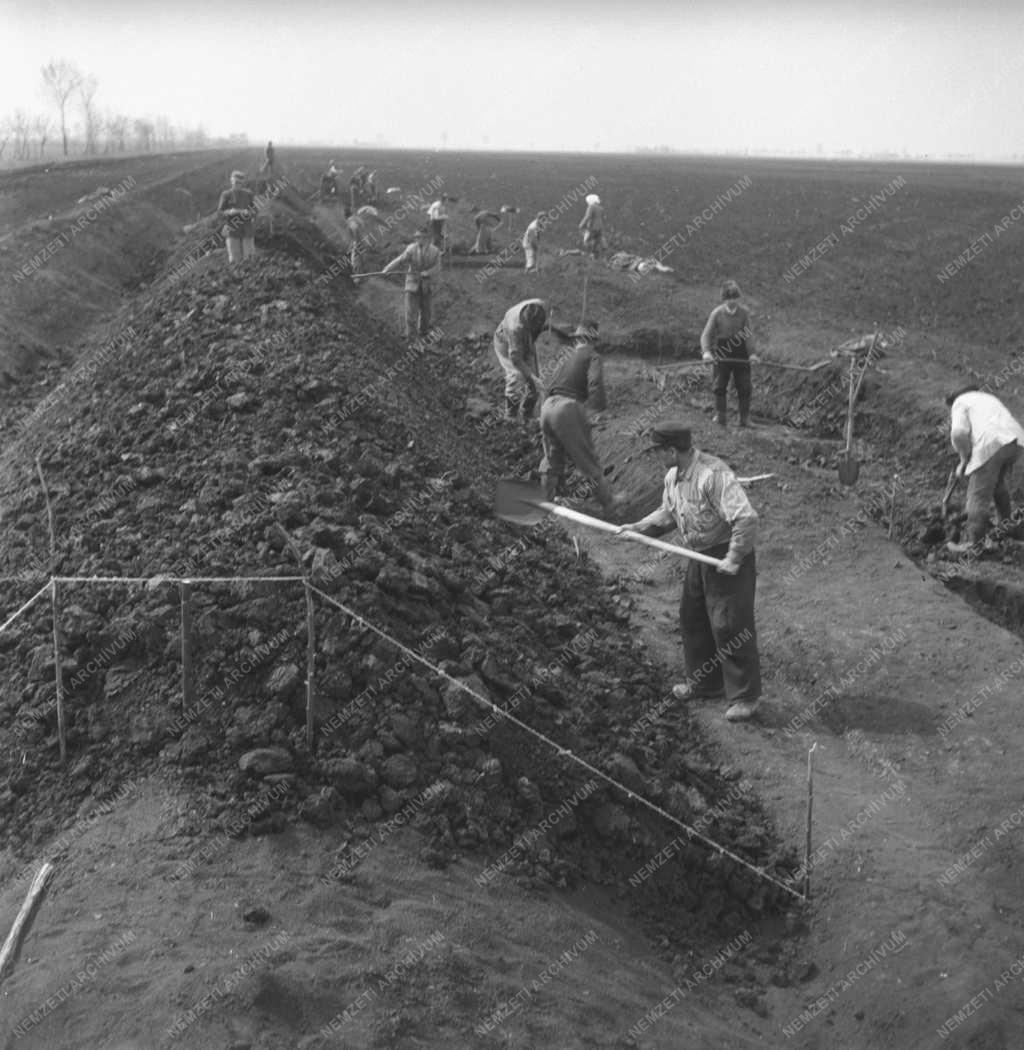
(72, 93)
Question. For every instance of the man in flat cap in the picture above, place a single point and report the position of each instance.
(237, 207)
(516, 351)
(728, 341)
(423, 262)
(576, 384)
(703, 499)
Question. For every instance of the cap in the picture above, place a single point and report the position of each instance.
(587, 330)
(238, 175)
(672, 435)
(730, 290)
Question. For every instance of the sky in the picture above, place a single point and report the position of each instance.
(925, 77)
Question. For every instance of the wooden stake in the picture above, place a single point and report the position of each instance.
(810, 816)
(58, 674)
(310, 666)
(187, 691)
(23, 920)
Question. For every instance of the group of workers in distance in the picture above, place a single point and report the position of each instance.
(701, 497)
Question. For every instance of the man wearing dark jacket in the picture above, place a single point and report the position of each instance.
(576, 384)
(728, 341)
(237, 207)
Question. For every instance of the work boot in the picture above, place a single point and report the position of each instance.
(511, 408)
(744, 411)
(720, 411)
(742, 710)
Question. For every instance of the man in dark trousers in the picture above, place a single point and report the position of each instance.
(423, 263)
(728, 341)
(704, 500)
(576, 384)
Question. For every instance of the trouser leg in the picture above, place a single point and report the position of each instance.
(568, 420)
(552, 466)
(721, 385)
(981, 486)
(426, 308)
(702, 670)
(1009, 455)
(729, 601)
(235, 249)
(412, 312)
(744, 390)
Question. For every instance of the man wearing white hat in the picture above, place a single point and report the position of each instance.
(237, 206)
(592, 225)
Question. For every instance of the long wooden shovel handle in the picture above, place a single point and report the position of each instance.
(629, 534)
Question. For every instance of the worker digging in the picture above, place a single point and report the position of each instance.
(704, 500)
(728, 342)
(576, 386)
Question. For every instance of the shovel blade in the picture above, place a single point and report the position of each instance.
(849, 470)
(518, 501)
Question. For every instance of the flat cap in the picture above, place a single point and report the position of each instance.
(672, 434)
(238, 175)
(587, 330)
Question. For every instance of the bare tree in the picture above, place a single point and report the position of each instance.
(41, 127)
(21, 128)
(117, 130)
(143, 134)
(61, 80)
(166, 133)
(6, 130)
(90, 112)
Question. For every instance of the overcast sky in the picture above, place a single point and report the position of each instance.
(926, 76)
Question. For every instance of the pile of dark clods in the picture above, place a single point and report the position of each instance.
(259, 418)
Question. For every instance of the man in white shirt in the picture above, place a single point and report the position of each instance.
(989, 441)
(438, 216)
(703, 499)
(531, 243)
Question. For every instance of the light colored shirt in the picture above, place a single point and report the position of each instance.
(592, 218)
(517, 337)
(531, 237)
(708, 506)
(422, 263)
(436, 211)
(729, 323)
(980, 425)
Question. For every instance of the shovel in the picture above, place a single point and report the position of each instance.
(849, 468)
(951, 483)
(523, 503)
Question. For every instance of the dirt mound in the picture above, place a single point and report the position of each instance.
(255, 398)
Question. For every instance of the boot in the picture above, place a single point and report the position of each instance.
(720, 409)
(744, 411)
(511, 408)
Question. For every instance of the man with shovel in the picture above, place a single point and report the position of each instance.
(423, 263)
(515, 347)
(704, 500)
(728, 341)
(989, 441)
(576, 385)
